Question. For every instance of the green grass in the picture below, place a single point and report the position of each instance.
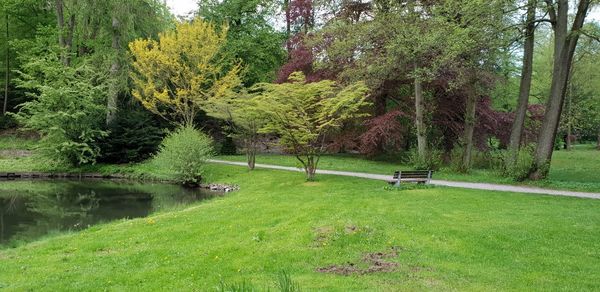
(449, 239)
(16, 143)
(571, 170)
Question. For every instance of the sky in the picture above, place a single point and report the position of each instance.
(182, 7)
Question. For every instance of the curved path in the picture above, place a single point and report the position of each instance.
(455, 184)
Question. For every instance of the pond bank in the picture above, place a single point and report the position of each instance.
(32, 209)
(100, 176)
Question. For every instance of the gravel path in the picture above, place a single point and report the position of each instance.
(455, 184)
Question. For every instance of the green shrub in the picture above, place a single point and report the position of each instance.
(7, 122)
(479, 159)
(519, 169)
(133, 137)
(228, 147)
(67, 107)
(431, 161)
(184, 152)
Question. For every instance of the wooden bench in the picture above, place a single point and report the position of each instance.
(9, 175)
(418, 176)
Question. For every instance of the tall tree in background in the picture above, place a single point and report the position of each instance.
(96, 29)
(299, 18)
(7, 73)
(65, 27)
(251, 36)
(525, 85)
(565, 42)
(20, 21)
(432, 47)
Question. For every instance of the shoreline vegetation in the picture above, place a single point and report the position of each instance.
(571, 170)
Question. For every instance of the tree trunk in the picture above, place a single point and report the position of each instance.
(251, 153)
(1, 225)
(115, 69)
(525, 87)
(60, 24)
(288, 26)
(469, 129)
(419, 121)
(69, 39)
(7, 73)
(565, 44)
(65, 43)
(598, 140)
(310, 167)
(569, 98)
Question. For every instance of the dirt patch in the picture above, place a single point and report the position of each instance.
(312, 184)
(15, 153)
(376, 262)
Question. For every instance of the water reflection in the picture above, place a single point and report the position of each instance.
(31, 209)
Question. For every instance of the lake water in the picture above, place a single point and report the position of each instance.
(32, 209)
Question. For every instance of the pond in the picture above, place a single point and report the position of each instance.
(33, 209)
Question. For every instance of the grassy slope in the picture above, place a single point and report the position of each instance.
(571, 170)
(449, 239)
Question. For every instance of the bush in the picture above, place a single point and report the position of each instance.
(133, 137)
(7, 122)
(228, 147)
(431, 161)
(185, 152)
(67, 108)
(519, 169)
(479, 159)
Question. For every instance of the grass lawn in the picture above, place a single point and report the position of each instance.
(446, 239)
(577, 170)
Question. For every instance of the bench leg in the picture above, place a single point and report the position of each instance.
(397, 184)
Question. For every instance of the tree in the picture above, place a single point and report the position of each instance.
(251, 37)
(565, 42)
(244, 120)
(7, 73)
(304, 115)
(414, 55)
(176, 75)
(525, 86)
(20, 20)
(581, 118)
(67, 108)
(96, 29)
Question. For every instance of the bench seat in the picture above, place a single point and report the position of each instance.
(419, 176)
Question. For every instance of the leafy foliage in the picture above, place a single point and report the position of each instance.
(518, 169)
(243, 117)
(304, 114)
(431, 161)
(251, 37)
(185, 152)
(133, 137)
(67, 107)
(177, 74)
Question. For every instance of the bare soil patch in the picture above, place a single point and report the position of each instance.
(376, 262)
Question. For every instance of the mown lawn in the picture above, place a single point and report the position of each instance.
(447, 239)
(577, 170)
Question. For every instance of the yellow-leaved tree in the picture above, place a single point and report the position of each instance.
(175, 76)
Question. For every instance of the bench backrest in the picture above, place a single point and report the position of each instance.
(413, 174)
